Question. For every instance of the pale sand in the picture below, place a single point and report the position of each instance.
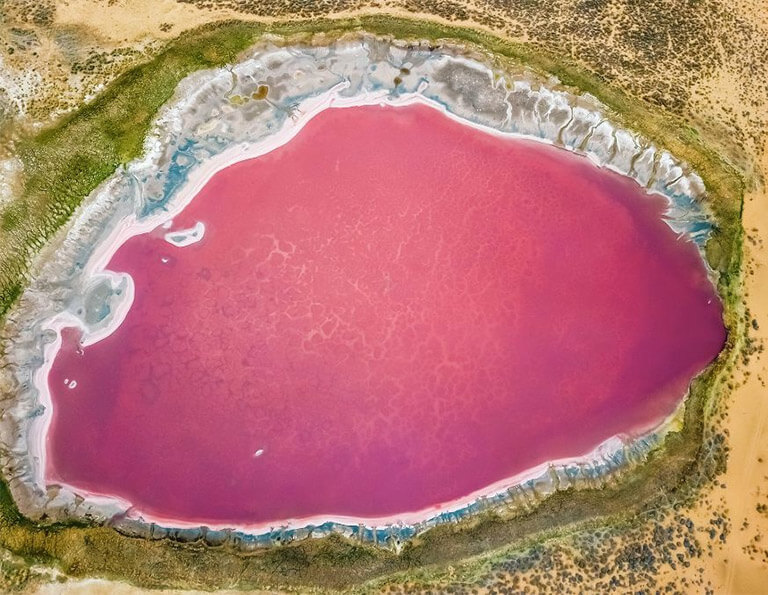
(740, 566)
(134, 20)
(124, 26)
(96, 267)
(104, 587)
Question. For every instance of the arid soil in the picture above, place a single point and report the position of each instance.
(677, 55)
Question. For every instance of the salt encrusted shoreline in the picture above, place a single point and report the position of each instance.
(211, 123)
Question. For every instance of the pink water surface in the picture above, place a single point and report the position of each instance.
(394, 310)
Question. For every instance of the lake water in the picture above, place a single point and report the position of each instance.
(389, 312)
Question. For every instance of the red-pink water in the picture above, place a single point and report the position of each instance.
(394, 310)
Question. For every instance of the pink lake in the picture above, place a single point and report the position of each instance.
(388, 313)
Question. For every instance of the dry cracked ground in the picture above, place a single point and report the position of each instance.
(704, 61)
